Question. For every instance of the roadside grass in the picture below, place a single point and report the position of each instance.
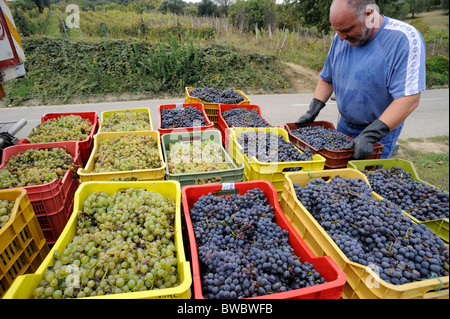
(53, 25)
(432, 167)
(436, 19)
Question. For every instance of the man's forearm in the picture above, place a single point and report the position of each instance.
(323, 90)
(399, 110)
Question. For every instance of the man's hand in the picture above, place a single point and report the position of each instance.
(314, 108)
(363, 143)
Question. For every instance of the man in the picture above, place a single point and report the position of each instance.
(376, 68)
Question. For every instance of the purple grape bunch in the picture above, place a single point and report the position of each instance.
(242, 117)
(187, 116)
(417, 198)
(374, 232)
(211, 95)
(320, 137)
(269, 147)
(242, 251)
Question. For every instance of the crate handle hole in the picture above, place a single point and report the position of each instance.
(292, 169)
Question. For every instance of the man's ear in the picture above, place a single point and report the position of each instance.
(370, 16)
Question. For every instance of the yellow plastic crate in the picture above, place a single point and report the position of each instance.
(23, 286)
(211, 109)
(273, 172)
(362, 282)
(106, 114)
(22, 243)
(86, 174)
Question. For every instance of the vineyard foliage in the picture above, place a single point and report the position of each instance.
(122, 51)
(59, 68)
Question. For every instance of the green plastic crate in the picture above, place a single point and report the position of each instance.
(232, 175)
(438, 226)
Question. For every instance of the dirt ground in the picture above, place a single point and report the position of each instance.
(304, 80)
(425, 146)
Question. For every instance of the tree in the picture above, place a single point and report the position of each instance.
(206, 8)
(174, 6)
(417, 6)
(261, 13)
(444, 5)
(237, 14)
(223, 6)
(247, 14)
(41, 4)
(288, 16)
(397, 9)
(308, 13)
(149, 4)
(315, 13)
(24, 5)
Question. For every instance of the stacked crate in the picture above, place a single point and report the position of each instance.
(224, 127)
(85, 145)
(199, 106)
(23, 246)
(212, 108)
(53, 201)
(108, 130)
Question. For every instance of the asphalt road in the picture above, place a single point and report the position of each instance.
(430, 119)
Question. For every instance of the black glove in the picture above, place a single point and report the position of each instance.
(314, 108)
(363, 143)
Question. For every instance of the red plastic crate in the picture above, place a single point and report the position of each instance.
(335, 276)
(198, 106)
(53, 223)
(333, 159)
(50, 200)
(86, 145)
(222, 125)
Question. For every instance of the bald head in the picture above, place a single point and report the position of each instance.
(349, 18)
(357, 7)
(342, 13)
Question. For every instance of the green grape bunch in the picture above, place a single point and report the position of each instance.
(6, 208)
(126, 121)
(36, 167)
(196, 156)
(65, 128)
(212, 180)
(126, 153)
(124, 242)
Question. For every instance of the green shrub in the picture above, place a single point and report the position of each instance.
(61, 68)
(437, 70)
